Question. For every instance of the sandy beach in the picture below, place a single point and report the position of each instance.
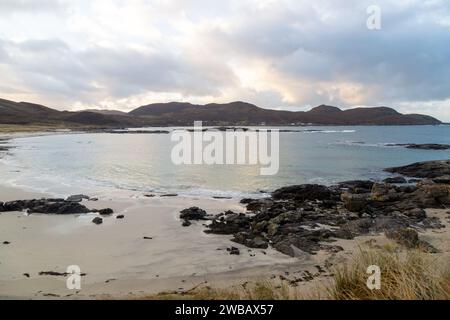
(119, 262)
(115, 256)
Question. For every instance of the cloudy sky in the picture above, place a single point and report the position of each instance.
(282, 54)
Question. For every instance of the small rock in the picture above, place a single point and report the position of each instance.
(6, 242)
(120, 216)
(105, 212)
(233, 251)
(186, 223)
(77, 198)
(97, 220)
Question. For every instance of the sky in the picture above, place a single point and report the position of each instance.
(278, 54)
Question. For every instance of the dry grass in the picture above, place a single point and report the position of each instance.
(405, 275)
(410, 275)
(257, 290)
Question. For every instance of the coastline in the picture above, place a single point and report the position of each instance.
(149, 252)
(174, 258)
(120, 263)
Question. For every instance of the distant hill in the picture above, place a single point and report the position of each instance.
(242, 113)
(183, 114)
(106, 112)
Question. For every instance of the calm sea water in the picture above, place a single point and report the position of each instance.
(140, 163)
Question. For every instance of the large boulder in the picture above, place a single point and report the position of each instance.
(303, 192)
(355, 202)
(435, 192)
(384, 192)
(193, 213)
(398, 180)
(357, 186)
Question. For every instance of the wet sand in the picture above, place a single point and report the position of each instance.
(175, 257)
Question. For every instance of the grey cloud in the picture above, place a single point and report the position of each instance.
(301, 42)
(409, 59)
(52, 67)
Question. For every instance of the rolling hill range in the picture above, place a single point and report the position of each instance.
(184, 114)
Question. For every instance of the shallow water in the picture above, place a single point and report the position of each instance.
(138, 163)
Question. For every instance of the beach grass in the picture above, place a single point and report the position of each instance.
(405, 275)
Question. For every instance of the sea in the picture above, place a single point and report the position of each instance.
(140, 164)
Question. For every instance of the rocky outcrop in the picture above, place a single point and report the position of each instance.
(307, 218)
(428, 169)
(48, 206)
(303, 192)
(397, 180)
(193, 213)
(424, 146)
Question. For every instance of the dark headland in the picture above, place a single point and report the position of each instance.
(184, 114)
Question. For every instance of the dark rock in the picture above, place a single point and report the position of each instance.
(416, 213)
(355, 202)
(357, 186)
(57, 274)
(428, 169)
(97, 220)
(186, 223)
(233, 251)
(410, 238)
(250, 241)
(398, 180)
(290, 221)
(193, 213)
(26, 275)
(302, 193)
(169, 195)
(424, 146)
(58, 208)
(6, 242)
(18, 205)
(46, 206)
(120, 216)
(231, 226)
(147, 238)
(104, 212)
(77, 198)
(442, 179)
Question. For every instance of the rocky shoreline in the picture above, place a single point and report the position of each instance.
(56, 206)
(310, 217)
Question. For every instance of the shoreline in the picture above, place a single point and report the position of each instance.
(119, 263)
(172, 259)
(149, 251)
